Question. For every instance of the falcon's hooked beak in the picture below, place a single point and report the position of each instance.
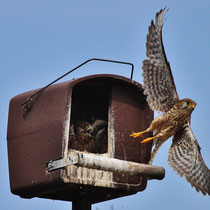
(89, 131)
(192, 105)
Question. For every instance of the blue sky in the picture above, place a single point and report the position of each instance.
(43, 39)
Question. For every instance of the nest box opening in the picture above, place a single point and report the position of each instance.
(89, 116)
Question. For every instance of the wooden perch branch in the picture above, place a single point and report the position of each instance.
(101, 162)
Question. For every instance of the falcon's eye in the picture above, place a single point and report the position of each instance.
(190, 104)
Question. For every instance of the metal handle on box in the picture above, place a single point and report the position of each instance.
(25, 103)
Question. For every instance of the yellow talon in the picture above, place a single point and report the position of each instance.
(148, 139)
(139, 134)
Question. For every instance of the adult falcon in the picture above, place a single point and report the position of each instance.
(184, 154)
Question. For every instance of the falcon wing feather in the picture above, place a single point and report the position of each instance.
(185, 158)
(157, 77)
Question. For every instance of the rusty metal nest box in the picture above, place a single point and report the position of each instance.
(41, 135)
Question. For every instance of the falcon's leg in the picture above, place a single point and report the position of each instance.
(139, 134)
(155, 125)
(149, 139)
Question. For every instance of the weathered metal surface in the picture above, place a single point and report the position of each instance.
(41, 135)
(35, 138)
(129, 110)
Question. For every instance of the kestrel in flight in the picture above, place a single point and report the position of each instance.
(184, 154)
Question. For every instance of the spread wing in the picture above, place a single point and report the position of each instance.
(157, 77)
(185, 158)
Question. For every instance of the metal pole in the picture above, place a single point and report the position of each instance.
(81, 204)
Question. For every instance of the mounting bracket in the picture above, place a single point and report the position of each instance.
(61, 163)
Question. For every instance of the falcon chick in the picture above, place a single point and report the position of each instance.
(184, 154)
(99, 132)
(86, 137)
(80, 137)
